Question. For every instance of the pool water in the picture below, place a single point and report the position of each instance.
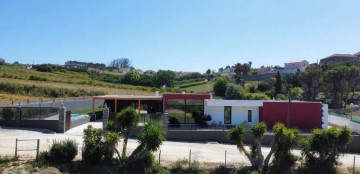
(74, 116)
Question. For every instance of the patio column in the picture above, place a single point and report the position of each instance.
(93, 105)
(105, 116)
(115, 109)
(139, 103)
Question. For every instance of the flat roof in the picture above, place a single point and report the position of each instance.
(130, 97)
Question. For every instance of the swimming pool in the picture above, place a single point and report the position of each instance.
(74, 116)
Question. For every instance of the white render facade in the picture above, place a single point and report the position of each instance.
(240, 111)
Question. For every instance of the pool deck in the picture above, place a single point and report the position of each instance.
(340, 121)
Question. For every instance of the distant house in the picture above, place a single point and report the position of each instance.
(340, 58)
(266, 70)
(121, 70)
(293, 67)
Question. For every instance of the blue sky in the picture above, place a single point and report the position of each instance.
(181, 35)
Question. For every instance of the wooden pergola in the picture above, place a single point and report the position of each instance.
(116, 98)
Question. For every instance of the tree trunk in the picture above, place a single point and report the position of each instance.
(126, 137)
(260, 157)
(272, 150)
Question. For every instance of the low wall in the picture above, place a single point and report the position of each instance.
(79, 121)
(42, 124)
(220, 136)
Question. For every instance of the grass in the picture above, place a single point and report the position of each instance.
(204, 88)
(21, 84)
(4, 162)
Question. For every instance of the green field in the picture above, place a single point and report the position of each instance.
(20, 84)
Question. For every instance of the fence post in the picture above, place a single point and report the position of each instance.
(12, 102)
(189, 158)
(159, 156)
(16, 147)
(225, 159)
(354, 166)
(37, 148)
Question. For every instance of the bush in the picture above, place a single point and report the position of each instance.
(93, 149)
(37, 78)
(174, 122)
(220, 86)
(234, 92)
(63, 151)
(43, 67)
(2, 61)
(323, 148)
(8, 114)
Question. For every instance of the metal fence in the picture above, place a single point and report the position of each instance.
(29, 113)
(165, 156)
(41, 100)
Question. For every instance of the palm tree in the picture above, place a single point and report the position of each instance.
(126, 120)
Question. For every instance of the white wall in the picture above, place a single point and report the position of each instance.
(239, 114)
(325, 116)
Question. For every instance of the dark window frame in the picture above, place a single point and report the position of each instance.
(249, 116)
(229, 115)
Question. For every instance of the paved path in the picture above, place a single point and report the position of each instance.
(170, 151)
(355, 127)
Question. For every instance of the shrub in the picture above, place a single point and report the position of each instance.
(43, 67)
(234, 92)
(2, 61)
(43, 159)
(323, 148)
(93, 149)
(37, 78)
(8, 113)
(201, 118)
(63, 151)
(174, 122)
(220, 86)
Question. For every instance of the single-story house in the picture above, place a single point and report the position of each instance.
(299, 114)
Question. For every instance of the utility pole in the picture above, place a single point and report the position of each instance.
(289, 109)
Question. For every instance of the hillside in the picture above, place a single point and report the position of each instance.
(19, 84)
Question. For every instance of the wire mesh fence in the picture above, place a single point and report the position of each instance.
(165, 156)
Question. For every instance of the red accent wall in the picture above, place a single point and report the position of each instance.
(184, 96)
(303, 115)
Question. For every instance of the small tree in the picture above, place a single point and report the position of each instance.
(284, 141)
(278, 84)
(93, 149)
(126, 120)
(150, 139)
(2, 61)
(323, 148)
(254, 155)
(220, 86)
(234, 92)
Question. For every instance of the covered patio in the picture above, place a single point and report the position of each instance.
(143, 104)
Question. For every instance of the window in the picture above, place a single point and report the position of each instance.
(182, 109)
(249, 115)
(227, 115)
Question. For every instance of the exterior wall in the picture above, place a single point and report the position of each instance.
(297, 65)
(303, 115)
(239, 114)
(325, 116)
